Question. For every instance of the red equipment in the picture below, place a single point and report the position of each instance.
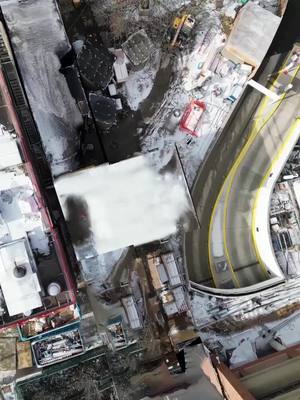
(190, 121)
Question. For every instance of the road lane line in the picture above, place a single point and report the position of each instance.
(260, 111)
(264, 103)
(232, 174)
(262, 107)
(289, 136)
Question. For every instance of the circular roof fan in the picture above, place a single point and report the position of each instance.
(20, 271)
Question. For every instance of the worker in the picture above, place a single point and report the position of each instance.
(294, 62)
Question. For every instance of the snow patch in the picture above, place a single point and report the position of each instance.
(244, 352)
(129, 202)
(139, 83)
(39, 39)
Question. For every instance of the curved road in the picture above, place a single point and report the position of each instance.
(222, 253)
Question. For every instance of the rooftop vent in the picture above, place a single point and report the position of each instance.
(20, 271)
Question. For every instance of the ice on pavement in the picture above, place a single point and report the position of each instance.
(39, 40)
(129, 202)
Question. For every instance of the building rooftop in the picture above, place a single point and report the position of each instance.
(28, 251)
(9, 153)
(18, 279)
(138, 47)
(129, 203)
(95, 63)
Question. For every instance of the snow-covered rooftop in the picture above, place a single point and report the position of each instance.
(19, 211)
(21, 294)
(9, 152)
(22, 231)
(253, 25)
(129, 203)
(39, 41)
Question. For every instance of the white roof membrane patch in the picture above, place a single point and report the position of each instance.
(129, 203)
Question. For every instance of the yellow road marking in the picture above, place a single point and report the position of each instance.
(260, 111)
(249, 141)
(262, 184)
(237, 164)
(232, 174)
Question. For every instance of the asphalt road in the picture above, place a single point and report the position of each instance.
(211, 177)
(269, 130)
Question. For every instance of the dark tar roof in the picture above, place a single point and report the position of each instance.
(104, 109)
(138, 47)
(95, 65)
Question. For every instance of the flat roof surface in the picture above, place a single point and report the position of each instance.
(19, 211)
(20, 294)
(127, 203)
(9, 152)
(138, 47)
(252, 34)
(21, 230)
(8, 356)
